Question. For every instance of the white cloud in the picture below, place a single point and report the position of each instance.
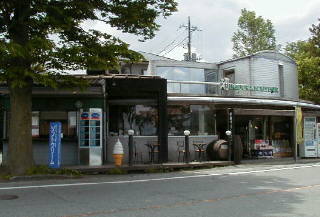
(218, 20)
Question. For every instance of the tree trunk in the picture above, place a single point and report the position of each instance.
(20, 152)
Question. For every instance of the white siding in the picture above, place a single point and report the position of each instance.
(291, 90)
(265, 73)
(262, 69)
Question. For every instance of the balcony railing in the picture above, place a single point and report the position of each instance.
(193, 87)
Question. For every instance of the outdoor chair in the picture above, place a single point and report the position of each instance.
(181, 150)
(153, 150)
(138, 154)
(199, 149)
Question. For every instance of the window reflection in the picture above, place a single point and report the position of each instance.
(142, 119)
(182, 74)
(199, 119)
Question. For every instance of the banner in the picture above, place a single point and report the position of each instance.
(298, 115)
(55, 145)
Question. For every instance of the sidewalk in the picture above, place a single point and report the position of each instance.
(149, 167)
(275, 161)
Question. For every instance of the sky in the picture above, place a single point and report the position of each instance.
(217, 20)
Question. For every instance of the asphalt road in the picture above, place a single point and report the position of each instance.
(244, 191)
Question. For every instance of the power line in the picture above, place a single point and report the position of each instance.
(176, 46)
(171, 43)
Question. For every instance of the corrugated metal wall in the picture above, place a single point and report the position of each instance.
(262, 69)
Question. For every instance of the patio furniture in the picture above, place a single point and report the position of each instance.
(153, 149)
(199, 149)
(138, 154)
(181, 150)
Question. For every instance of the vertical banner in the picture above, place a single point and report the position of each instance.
(55, 145)
(299, 137)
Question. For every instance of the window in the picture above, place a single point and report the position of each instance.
(41, 123)
(199, 119)
(182, 74)
(143, 119)
(68, 121)
(229, 74)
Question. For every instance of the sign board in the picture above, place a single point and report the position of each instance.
(55, 145)
(226, 85)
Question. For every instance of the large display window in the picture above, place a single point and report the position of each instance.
(199, 119)
(143, 119)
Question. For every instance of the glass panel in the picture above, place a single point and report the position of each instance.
(179, 118)
(67, 119)
(142, 119)
(199, 119)
(182, 74)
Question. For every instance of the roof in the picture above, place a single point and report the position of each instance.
(257, 54)
(150, 56)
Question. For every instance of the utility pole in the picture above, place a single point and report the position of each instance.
(190, 30)
(189, 40)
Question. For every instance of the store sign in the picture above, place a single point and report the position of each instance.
(55, 145)
(226, 85)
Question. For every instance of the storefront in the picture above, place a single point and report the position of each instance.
(93, 120)
(254, 97)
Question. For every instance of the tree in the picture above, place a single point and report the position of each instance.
(307, 55)
(254, 34)
(40, 39)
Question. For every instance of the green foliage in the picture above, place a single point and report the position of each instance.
(44, 170)
(117, 171)
(40, 40)
(307, 55)
(254, 34)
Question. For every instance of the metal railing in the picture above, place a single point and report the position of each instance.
(193, 87)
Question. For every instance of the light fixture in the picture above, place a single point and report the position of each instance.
(228, 133)
(130, 132)
(186, 132)
(78, 104)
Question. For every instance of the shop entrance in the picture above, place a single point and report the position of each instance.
(264, 136)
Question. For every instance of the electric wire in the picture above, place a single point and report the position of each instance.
(176, 46)
(171, 43)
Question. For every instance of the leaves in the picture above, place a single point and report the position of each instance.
(40, 39)
(254, 34)
(307, 55)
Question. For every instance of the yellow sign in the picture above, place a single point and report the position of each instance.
(298, 121)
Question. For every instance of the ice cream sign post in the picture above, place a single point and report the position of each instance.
(55, 145)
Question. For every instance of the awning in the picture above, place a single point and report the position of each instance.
(243, 101)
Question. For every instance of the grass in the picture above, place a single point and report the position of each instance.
(117, 171)
(45, 170)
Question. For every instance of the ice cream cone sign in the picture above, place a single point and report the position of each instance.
(118, 153)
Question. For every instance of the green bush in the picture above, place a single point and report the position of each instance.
(45, 170)
(117, 171)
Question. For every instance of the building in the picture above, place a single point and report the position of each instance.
(256, 97)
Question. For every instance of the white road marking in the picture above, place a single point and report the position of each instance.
(160, 179)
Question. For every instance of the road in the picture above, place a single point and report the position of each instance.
(244, 191)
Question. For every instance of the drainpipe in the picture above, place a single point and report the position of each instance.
(104, 132)
(250, 74)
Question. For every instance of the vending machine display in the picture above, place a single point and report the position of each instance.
(90, 136)
(318, 139)
(309, 148)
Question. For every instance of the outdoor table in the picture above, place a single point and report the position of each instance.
(199, 146)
